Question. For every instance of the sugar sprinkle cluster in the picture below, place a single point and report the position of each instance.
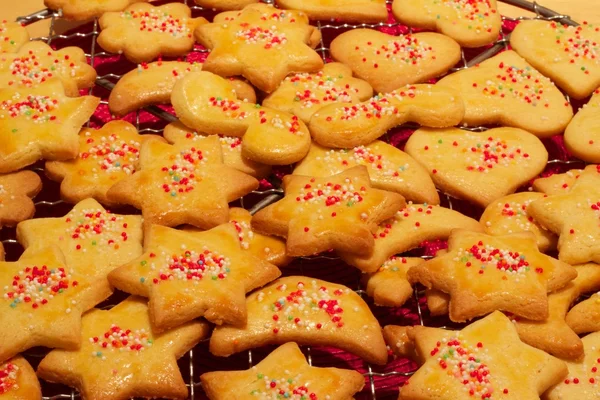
(157, 21)
(111, 153)
(180, 176)
(289, 388)
(36, 108)
(378, 164)
(404, 50)
(380, 106)
(97, 228)
(9, 373)
(34, 69)
(474, 14)
(319, 88)
(409, 213)
(391, 264)
(482, 256)
(121, 340)
(576, 46)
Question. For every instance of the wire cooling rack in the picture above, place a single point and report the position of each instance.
(381, 382)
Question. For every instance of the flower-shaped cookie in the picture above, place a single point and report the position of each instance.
(81, 10)
(16, 191)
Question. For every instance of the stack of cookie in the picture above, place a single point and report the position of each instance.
(262, 100)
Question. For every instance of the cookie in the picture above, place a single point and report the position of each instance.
(122, 357)
(390, 62)
(142, 32)
(106, 156)
(91, 238)
(574, 217)
(505, 90)
(231, 147)
(225, 4)
(36, 62)
(389, 286)
(484, 360)
(471, 23)
(389, 168)
(81, 10)
(338, 212)
(183, 184)
(399, 343)
(263, 44)
(585, 316)
(557, 183)
(509, 215)
(565, 54)
(483, 273)
(304, 94)
(582, 136)
(407, 229)
(360, 11)
(13, 36)
(40, 122)
(309, 312)
(16, 192)
(207, 103)
(42, 301)
(437, 302)
(18, 381)
(350, 125)
(152, 83)
(285, 374)
(478, 166)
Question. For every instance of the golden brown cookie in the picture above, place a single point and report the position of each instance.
(361, 11)
(557, 183)
(582, 136)
(18, 381)
(13, 36)
(16, 192)
(399, 343)
(389, 286)
(81, 10)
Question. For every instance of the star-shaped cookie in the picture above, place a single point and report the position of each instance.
(92, 239)
(566, 54)
(190, 275)
(349, 125)
(283, 374)
(152, 83)
(557, 183)
(40, 122)
(506, 90)
(478, 166)
(36, 62)
(359, 11)
(407, 229)
(13, 35)
(142, 32)
(106, 156)
(122, 357)
(389, 168)
(483, 273)
(18, 380)
(582, 136)
(231, 147)
(389, 62)
(509, 215)
(42, 301)
(307, 311)
(389, 286)
(263, 44)
(207, 103)
(338, 212)
(575, 217)
(485, 360)
(472, 23)
(81, 10)
(183, 184)
(16, 191)
(303, 94)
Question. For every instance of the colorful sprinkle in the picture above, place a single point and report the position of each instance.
(118, 339)
(8, 378)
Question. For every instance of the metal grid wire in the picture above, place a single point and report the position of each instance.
(106, 81)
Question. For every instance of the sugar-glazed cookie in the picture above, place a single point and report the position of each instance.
(350, 125)
(585, 316)
(574, 217)
(566, 54)
(309, 312)
(122, 357)
(389, 168)
(81, 10)
(143, 32)
(506, 90)
(362, 11)
(304, 94)
(190, 275)
(557, 183)
(484, 273)
(207, 103)
(484, 360)
(231, 147)
(152, 83)
(183, 184)
(283, 374)
(13, 36)
(337, 212)
(390, 62)
(478, 166)
(16, 191)
(40, 122)
(225, 4)
(18, 381)
(407, 229)
(472, 23)
(509, 215)
(262, 43)
(106, 156)
(389, 286)
(36, 62)
(582, 136)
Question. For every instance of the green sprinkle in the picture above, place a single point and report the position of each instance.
(440, 141)
(143, 263)
(260, 376)
(214, 278)
(142, 279)
(15, 130)
(93, 242)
